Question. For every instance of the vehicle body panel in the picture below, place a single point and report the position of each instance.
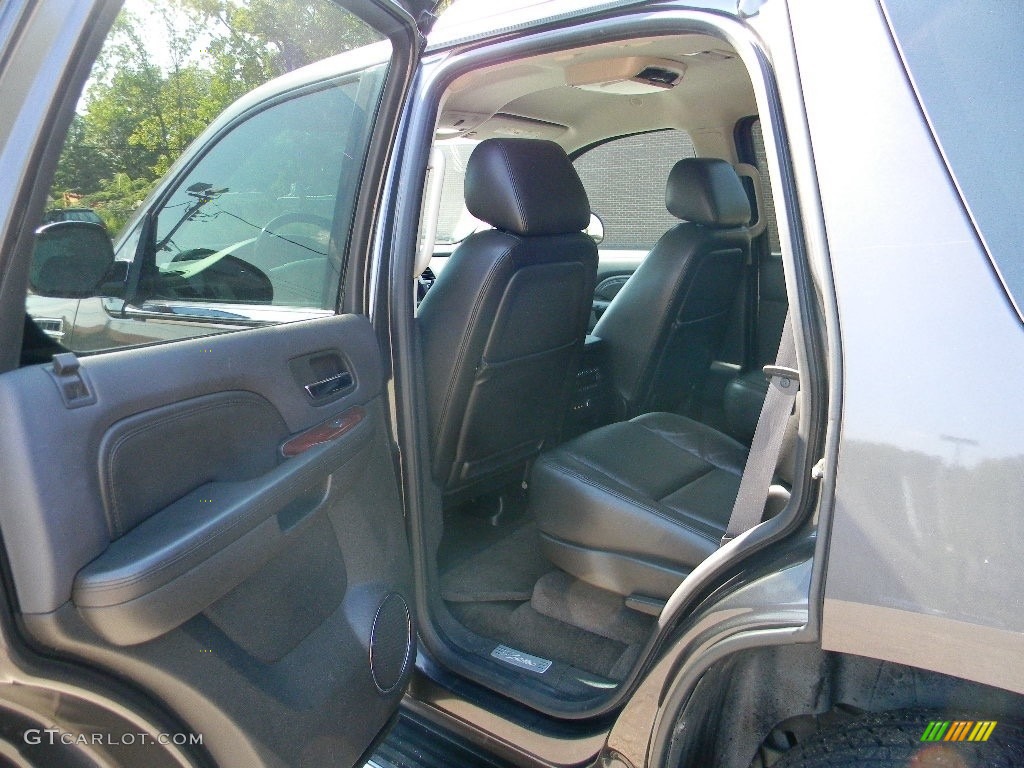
(930, 463)
(926, 470)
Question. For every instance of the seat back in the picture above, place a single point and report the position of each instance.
(503, 325)
(663, 328)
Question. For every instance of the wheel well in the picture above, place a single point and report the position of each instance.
(754, 705)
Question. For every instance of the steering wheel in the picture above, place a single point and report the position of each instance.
(272, 249)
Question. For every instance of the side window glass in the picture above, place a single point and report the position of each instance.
(964, 59)
(454, 222)
(252, 228)
(252, 222)
(625, 181)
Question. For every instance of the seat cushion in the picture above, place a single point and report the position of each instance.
(634, 506)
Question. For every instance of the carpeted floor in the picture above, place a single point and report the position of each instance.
(506, 570)
(498, 585)
(564, 598)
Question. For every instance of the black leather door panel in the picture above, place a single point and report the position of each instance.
(150, 460)
(197, 549)
(128, 383)
(163, 534)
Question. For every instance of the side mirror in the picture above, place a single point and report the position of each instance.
(595, 228)
(71, 259)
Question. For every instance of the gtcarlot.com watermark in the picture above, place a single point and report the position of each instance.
(53, 736)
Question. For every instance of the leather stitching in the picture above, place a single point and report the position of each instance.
(701, 450)
(515, 190)
(689, 482)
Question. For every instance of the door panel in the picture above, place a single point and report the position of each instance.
(163, 534)
(614, 268)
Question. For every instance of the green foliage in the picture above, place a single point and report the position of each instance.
(117, 198)
(162, 78)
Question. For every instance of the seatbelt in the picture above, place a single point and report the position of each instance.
(784, 383)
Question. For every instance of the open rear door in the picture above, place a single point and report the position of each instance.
(204, 541)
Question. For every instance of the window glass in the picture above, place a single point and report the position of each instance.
(252, 221)
(624, 178)
(965, 60)
(254, 232)
(454, 223)
(625, 181)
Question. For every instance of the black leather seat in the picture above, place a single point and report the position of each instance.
(503, 325)
(633, 507)
(663, 328)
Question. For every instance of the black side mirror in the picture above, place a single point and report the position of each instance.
(71, 259)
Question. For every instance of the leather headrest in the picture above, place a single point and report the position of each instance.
(526, 186)
(706, 190)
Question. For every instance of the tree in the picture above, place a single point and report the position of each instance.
(82, 165)
(161, 79)
(287, 34)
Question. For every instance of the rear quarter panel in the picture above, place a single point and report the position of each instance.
(927, 539)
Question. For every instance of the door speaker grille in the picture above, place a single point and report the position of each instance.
(390, 642)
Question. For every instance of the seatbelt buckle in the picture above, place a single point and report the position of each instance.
(783, 378)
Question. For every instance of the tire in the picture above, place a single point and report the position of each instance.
(891, 739)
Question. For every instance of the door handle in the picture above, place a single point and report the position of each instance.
(329, 386)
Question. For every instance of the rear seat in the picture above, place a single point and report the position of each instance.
(633, 507)
(742, 402)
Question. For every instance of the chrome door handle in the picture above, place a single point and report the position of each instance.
(329, 386)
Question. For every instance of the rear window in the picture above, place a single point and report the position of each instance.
(965, 61)
(625, 181)
(624, 178)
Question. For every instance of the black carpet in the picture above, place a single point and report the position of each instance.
(498, 585)
(506, 570)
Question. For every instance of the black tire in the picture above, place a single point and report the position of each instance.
(891, 739)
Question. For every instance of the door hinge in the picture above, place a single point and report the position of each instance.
(72, 383)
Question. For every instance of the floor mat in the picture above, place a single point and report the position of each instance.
(490, 574)
(504, 571)
(518, 625)
(559, 596)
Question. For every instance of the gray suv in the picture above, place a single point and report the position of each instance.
(361, 442)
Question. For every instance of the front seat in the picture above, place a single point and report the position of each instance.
(503, 325)
(662, 329)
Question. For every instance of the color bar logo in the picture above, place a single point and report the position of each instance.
(958, 730)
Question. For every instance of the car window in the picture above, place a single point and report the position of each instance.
(964, 58)
(261, 206)
(253, 228)
(625, 181)
(454, 222)
(624, 178)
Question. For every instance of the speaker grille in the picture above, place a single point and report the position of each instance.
(390, 642)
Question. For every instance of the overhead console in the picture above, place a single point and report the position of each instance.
(630, 75)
